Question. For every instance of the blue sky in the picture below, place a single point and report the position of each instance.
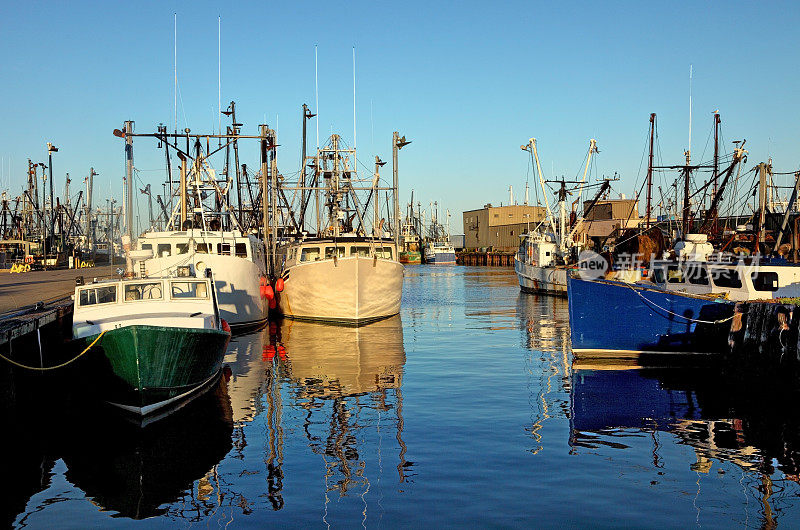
(468, 82)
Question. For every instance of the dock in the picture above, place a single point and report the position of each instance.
(36, 307)
(487, 259)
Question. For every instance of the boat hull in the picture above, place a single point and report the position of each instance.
(351, 290)
(440, 258)
(615, 319)
(541, 280)
(143, 369)
(410, 257)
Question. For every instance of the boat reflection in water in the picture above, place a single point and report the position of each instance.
(121, 467)
(346, 379)
(544, 322)
(724, 418)
(135, 471)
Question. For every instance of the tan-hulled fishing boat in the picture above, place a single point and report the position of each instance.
(349, 273)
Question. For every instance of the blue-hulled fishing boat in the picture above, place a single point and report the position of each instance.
(617, 319)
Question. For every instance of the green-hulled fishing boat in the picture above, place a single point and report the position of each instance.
(159, 341)
(410, 256)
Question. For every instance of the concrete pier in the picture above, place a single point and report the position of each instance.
(21, 290)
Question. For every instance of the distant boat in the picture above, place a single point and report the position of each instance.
(157, 341)
(438, 250)
(440, 253)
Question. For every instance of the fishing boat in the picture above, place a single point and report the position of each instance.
(202, 229)
(547, 253)
(348, 272)
(156, 341)
(411, 242)
(237, 260)
(438, 249)
(631, 320)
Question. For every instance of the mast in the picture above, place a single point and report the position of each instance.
(716, 163)
(686, 202)
(397, 144)
(129, 196)
(648, 211)
(88, 208)
(763, 169)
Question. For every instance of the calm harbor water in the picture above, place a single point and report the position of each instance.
(464, 410)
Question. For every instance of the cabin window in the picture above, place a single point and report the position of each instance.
(241, 250)
(765, 281)
(726, 278)
(201, 248)
(359, 251)
(697, 275)
(98, 295)
(164, 250)
(224, 248)
(331, 251)
(674, 274)
(147, 246)
(384, 252)
(658, 275)
(143, 291)
(310, 254)
(189, 290)
(182, 248)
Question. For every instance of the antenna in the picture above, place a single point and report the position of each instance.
(690, 113)
(316, 91)
(219, 76)
(354, 97)
(176, 73)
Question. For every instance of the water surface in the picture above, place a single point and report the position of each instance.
(464, 410)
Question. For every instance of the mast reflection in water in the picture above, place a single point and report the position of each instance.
(347, 380)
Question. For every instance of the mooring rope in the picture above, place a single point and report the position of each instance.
(62, 365)
(695, 320)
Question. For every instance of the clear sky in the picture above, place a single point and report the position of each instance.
(468, 82)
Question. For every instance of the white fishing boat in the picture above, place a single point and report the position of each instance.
(349, 272)
(237, 261)
(549, 251)
(438, 249)
(203, 231)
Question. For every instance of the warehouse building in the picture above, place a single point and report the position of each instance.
(499, 227)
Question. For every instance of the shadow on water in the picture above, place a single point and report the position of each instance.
(123, 468)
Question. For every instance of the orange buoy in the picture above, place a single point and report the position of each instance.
(279, 285)
(269, 293)
(225, 327)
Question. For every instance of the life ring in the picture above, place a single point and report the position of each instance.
(29, 259)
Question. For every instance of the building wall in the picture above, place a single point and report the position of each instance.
(499, 227)
(613, 209)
